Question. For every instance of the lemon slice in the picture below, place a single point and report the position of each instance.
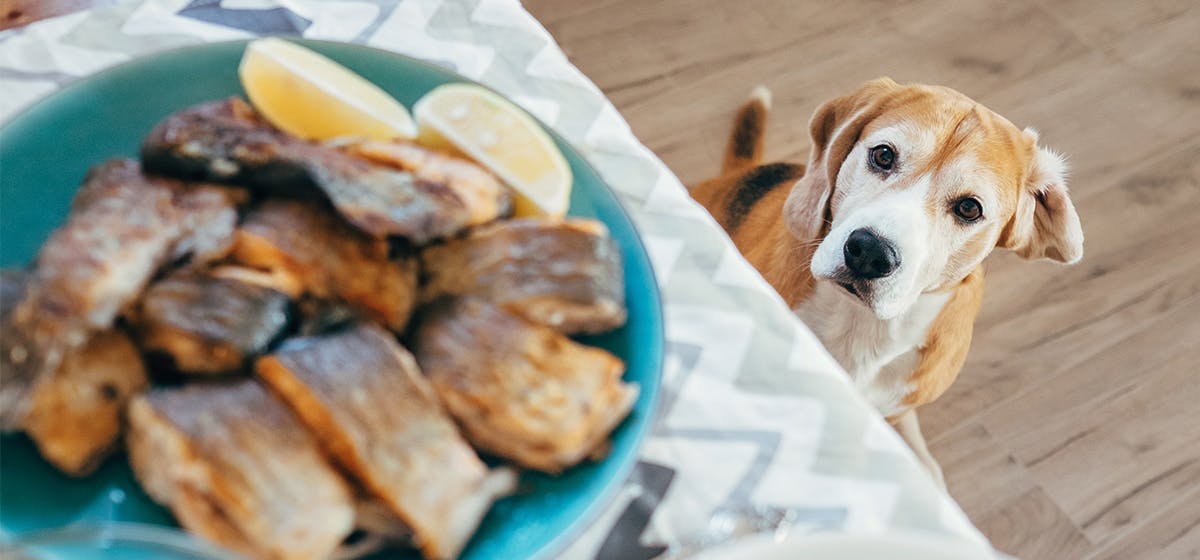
(308, 95)
(496, 134)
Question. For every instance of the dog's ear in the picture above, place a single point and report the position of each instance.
(1045, 224)
(837, 125)
(835, 129)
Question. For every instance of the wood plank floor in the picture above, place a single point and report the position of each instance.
(1074, 431)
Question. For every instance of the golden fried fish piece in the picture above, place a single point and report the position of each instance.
(564, 274)
(208, 324)
(236, 467)
(123, 228)
(485, 196)
(227, 141)
(374, 412)
(329, 259)
(520, 390)
(77, 415)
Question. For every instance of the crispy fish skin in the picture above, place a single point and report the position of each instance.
(209, 324)
(123, 227)
(76, 416)
(564, 274)
(520, 390)
(365, 398)
(227, 141)
(236, 467)
(485, 196)
(330, 259)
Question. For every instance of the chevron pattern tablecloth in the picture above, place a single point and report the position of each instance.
(758, 425)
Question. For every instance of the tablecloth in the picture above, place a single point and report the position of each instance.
(757, 425)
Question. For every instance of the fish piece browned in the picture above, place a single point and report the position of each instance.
(520, 390)
(564, 274)
(13, 389)
(485, 197)
(236, 467)
(76, 415)
(227, 141)
(209, 324)
(329, 259)
(122, 229)
(374, 412)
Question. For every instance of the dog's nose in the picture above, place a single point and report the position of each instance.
(869, 256)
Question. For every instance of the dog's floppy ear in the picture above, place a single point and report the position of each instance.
(1045, 224)
(835, 129)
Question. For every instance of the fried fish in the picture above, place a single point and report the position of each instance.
(485, 197)
(374, 412)
(520, 390)
(329, 259)
(236, 467)
(227, 141)
(76, 415)
(122, 229)
(564, 274)
(210, 324)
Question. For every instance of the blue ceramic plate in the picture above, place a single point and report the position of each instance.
(44, 153)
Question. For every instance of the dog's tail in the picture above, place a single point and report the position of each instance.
(746, 145)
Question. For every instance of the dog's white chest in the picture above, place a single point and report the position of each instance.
(879, 355)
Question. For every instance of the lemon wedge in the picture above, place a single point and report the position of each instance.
(308, 95)
(496, 134)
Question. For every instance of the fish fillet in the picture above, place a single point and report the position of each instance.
(329, 259)
(374, 412)
(564, 274)
(76, 415)
(227, 141)
(236, 467)
(209, 324)
(485, 197)
(122, 229)
(520, 390)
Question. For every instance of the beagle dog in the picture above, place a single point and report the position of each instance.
(877, 243)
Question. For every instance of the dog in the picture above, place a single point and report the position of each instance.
(877, 244)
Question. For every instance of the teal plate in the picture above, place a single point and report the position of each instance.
(44, 153)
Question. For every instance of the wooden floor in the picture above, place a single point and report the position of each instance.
(1074, 431)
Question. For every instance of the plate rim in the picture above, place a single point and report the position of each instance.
(119, 531)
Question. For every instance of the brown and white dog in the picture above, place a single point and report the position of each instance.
(877, 243)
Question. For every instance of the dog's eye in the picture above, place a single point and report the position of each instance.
(968, 209)
(883, 157)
